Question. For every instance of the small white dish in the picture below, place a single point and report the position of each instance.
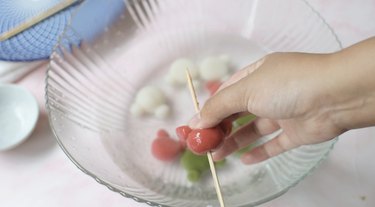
(19, 113)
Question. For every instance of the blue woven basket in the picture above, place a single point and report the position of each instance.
(38, 42)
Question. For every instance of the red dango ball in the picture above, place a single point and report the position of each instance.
(165, 148)
(182, 133)
(201, 141)
(213, 86)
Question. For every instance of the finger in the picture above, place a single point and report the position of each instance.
(235, 116)
(241, 74)
(274, 147)
(230, 118)
(214, 101)
(227, 124)
(231, 100)
(245, 136)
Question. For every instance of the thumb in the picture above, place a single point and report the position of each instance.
(232, 97)
(242, 73)
(230, 100)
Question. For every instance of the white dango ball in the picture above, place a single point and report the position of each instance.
(214, 68)
(136, 110)
(162, 112)
(149, 98)
(177, 76)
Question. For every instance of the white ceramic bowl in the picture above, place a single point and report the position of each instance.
(18, 115)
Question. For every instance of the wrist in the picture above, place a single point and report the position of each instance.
(351, 89)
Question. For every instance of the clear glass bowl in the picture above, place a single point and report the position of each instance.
(91, 85)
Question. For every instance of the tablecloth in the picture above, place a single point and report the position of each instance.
(38, 174)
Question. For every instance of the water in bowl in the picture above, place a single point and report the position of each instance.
(149, 64)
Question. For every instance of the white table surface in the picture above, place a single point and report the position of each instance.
(38, 174)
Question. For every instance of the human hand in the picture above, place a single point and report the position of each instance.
(294, 92)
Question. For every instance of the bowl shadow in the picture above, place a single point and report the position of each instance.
(40, 142)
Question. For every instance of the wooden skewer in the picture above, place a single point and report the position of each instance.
(36, 19)
(209, 155)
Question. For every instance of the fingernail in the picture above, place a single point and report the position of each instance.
(194, 122)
